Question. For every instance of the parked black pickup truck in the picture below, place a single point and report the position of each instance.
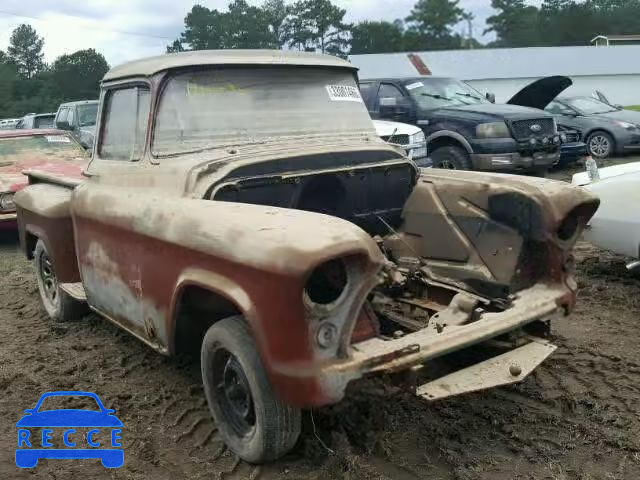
(467, 131)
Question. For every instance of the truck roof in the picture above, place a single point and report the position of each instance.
(152, 65)
(78, 102)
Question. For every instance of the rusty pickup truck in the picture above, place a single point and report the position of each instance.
(241, 203)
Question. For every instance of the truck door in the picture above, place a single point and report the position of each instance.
(393, 105)
(108, 251)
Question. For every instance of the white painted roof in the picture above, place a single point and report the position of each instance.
(151, 65)
(499, 63)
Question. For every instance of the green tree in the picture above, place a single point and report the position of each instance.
(318, 25)
(25, 51)
(515, 24)
(241, 26)
(377, 37)
(430, 24)
(277, 15)
(77, 76)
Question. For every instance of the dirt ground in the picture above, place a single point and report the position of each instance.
(576, 417)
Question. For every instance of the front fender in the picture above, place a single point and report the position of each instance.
(43, 211)
(258, 257)
(493, 234)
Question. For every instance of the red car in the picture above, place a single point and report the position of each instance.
(54, 151)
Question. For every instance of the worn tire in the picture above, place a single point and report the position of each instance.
(603, 137)
(451, 158)
(60, 306)
(276, 426)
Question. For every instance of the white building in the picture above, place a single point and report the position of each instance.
(615, 70)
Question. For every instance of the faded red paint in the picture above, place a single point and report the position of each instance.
(279, 322)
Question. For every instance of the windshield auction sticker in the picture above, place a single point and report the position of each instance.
(343, 93)
(415, 85)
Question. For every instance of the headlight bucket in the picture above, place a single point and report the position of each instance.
(493, 130)
(7, 203)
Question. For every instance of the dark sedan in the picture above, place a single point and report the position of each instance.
(607, 130)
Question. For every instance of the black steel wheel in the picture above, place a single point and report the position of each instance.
(59, 305)
(253, 422)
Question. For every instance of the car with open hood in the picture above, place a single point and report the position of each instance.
(266, 225)
(53, 151)
(606, 129)
(464, 129)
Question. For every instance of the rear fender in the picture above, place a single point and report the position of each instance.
(44, 213)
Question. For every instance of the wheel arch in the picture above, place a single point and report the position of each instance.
(200, 299)
(604, 130)
(447, 138)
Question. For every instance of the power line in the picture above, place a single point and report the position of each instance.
(124, 32)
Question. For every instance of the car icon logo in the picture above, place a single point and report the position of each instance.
(69, 433)
(536, 127)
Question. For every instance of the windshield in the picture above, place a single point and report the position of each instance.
(432, 93)
(87, 114)
(590, 106)
(205, 109)
(38, 148)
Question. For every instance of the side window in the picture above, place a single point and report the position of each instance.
(367, 90)
(62, 115)
(389, 95)
(124, 130)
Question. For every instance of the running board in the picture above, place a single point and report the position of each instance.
(505, 369)
(76, 290)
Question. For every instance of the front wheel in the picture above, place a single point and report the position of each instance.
(451, 158)
(59, 305)
(600, 145)
(254, 423)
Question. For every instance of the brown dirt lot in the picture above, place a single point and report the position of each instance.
(576, 417)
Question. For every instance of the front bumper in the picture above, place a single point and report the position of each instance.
(378, 355)
(514, 161)
(570, 152)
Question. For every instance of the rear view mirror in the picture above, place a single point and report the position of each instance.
(491, 97)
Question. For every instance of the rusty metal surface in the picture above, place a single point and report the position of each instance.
(474, 255)
(505, 369)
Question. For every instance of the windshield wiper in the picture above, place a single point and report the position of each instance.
(468, 95)
(439, 97)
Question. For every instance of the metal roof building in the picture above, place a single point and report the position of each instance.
(614, 70)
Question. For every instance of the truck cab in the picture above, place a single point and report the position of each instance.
(80, 119)
(464, 129)
(240, 203)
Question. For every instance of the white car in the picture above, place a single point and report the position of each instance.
(616, 224)
(408, 137)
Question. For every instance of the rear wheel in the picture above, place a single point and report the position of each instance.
(451, 158)
(254, 423)
(59, 305)
(600, 145)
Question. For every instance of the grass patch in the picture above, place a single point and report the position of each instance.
(633, 107)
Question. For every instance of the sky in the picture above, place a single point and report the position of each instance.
(124, 30)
